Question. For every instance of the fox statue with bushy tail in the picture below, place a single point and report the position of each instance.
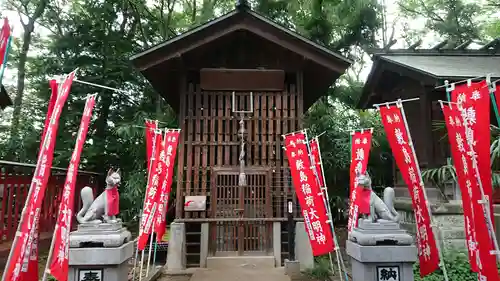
(105, 207)
(379, 209)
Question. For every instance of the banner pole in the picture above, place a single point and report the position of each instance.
(410, 140)
(449, 88)
(337, 248)
(485, 202)
(351, 135)
(154, 253)
(394, 102)
(327, 207)
(6, 55)
(492, 88)
(153, 157)
(51, 250)
(136, 242)
(150, 250)
(142, 263)
(312, 166)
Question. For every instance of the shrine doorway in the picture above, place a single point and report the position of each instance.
(242, 214)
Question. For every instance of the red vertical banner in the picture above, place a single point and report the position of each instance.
(21, 252)
(359, 197)
(50, 108)
(309, 194)
(465, 175)
(4, 40)
(151, 197)
(58, 264)
(316, 157)
(171, 140)
(475, 100)
(32, 273)
(400, 141)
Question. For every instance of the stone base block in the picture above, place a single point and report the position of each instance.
(374, 262)
(176, 256)
(110, 235)
(382, 231)
(292, 268)
(110, 264)
(303, 250)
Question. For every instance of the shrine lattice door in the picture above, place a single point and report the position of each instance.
(241, 227)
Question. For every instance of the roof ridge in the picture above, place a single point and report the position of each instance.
(439, 54)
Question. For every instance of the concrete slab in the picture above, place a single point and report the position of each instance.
(240, 274)
(262, 262)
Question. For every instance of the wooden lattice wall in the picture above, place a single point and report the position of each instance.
(210, 139)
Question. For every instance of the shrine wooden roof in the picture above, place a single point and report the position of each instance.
(431, 67)
(4, 98)
(162, 64)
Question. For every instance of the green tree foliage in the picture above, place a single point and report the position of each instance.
(455, 20)
(98, 37)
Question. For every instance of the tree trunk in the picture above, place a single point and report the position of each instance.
(21, 73)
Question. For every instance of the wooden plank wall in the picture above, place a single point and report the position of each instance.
(210, 139)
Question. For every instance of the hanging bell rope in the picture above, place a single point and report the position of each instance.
(242, 179)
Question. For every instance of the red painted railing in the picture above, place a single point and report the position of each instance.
(15, 179)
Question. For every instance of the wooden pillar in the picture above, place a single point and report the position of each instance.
(182, 138)
(426, 126)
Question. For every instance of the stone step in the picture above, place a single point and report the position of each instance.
(257, 262)
(401, 192)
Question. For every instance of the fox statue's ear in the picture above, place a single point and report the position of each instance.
(118, 172)
(110, 171)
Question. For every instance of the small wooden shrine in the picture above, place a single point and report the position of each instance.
(415, 72)
(238, 83)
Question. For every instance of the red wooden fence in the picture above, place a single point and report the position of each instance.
(15, 179)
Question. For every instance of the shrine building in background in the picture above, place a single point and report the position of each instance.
(414, 72)
(241, 61)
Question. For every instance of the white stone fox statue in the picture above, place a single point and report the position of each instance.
(379, 209)
(105, 207)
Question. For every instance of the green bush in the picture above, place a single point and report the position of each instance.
(321, 269)
(457, 266)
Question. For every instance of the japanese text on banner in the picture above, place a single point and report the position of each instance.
(309, 194)
(314, 145)
(400, 142)
(472, 102)
(31, 213)
(60, 260)
(32, 272)
(171, 140)
(359, 198)
(151, 126)
(475, 101)
(465, 175)
(152, 193)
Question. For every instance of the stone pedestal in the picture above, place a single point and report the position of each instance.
(100, 250)
(381, 251)
(176, 257)
(303, 250)
(292, 268)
